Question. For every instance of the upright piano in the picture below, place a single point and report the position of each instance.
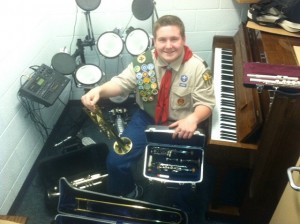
(253, 129)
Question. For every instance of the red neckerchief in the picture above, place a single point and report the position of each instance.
(162, 107)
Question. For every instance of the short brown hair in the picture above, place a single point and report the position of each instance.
(169, 20)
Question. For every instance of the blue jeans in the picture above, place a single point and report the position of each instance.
(120, 178)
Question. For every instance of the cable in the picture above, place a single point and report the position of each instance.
(74, 28)
(35, 115)
(126, 27)
(62, 102)
(31, 111)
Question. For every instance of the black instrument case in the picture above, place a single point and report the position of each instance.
(88, 207)
(84, 167)
(80, 177)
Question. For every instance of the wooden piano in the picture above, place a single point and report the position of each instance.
(250, 129)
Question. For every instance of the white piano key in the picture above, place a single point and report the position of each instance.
(223, 121)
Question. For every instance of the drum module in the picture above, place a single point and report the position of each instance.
(44, 86)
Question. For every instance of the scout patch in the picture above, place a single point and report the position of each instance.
(207, 77)
(183, 80)
(146, 77)
(180, 102)
(146, 81)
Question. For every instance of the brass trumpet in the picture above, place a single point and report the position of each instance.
(81, 183)
(122, 145)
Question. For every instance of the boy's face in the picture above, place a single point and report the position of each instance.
(169, 44)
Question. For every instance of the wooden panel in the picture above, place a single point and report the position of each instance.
(13, 219)
(279, 146)
(279, 49)
(279, 31)
(290, 201)
(247, 1)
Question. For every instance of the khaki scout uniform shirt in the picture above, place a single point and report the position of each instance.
(189, 87)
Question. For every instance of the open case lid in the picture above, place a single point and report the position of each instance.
(86, 160)
(82, 203)
(163, 135)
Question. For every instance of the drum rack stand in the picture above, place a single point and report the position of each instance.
(154, 13)
(88, 41)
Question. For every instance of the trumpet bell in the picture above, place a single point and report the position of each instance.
(124, 148)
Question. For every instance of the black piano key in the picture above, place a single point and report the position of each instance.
(230, 138)
(228, 104)
(226, 52)
(227, 57)
(227, 82)
(227, 101)
(228, 134)
(228, 125)
(227, 119)
(227, 96)
(227, 67)
(227, 89)
(227, 110)
(228, 72)
(226, 61)
(227, 116)
(233, 128)
(227, 77)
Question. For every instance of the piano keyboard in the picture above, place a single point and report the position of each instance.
(223, 117)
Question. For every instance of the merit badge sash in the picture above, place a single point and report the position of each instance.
(146, 81)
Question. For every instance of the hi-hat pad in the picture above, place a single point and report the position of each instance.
(63, 63)
(88, 5)
(142, 9)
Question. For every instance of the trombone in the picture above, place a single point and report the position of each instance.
(117, 209)
(133, 212)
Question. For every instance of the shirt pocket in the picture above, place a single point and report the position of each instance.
(181, 100)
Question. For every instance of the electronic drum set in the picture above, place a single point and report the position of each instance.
(109, 44)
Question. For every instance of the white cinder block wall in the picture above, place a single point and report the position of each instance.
(33, 31)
